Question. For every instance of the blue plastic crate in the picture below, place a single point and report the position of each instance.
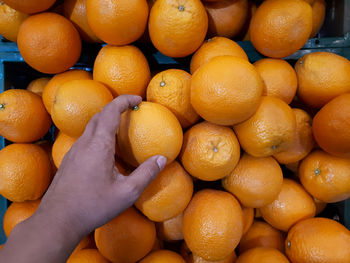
(9, 55)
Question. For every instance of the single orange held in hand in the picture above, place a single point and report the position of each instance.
(30, 7)
(171, 88)
(38, 85)
(162, 256)
(171, 229)
(76, 102)
(127, 238)
(57, 81)
(213, 224)
(331, 126)
(23, 117)
(262, 234)
(10, 21)
(87, 256)
(292, 205)
(255, 182)
(61, 146)
(226, 90)
(269, 131)
(209, 151)
(318, 240)
(279, 28)
(215, 47)
(117, 22)
(25, 172)
(161, 200)
(123, 69)
(17, 213)
(149, 129)
(262, 255)
(326, 177)
(177, 29)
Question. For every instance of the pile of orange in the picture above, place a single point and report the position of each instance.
(255, 151)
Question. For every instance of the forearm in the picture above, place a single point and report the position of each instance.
(40, 239)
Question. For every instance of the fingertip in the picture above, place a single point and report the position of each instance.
(161, 162)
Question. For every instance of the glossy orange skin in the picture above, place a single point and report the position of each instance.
(172, 89)
(279, 28)
(213, 224)
(49, 43)
(255, 182)
(248, 218)
(123, 69)
(171, 229)
(25, 172)
(126, 238)
(279, 78)
(262, 255)
(37, 85)
(230, 259)
(292, 205)
(30, 7)
(303, 142)
(318, 240)
(226, 90)
(226, 18)
(17, 213)
(209, 152)
(215, 47)
(60, 147)
(318, 16)
(71, 111)
(161, 256)
(322, 76)
(87, 256)
(57, 81)
(325, 176)
(262, 234)
(160, 200)
(177, 29)
(117, 22)
(331, 126)
(269, 131)
(23, 117)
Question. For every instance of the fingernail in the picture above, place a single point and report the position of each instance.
(161, 162)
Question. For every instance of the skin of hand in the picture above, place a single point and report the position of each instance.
(87, 192)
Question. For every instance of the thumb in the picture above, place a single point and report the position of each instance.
(146, 172)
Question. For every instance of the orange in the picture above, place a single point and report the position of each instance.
(147, 130)
(76, 102)
(230, 259)
(117, 22)
(75, 11)
(292, 205)
(326, 177)
(215, 47)
(158, 245)
(255, 182)
(160, 200)
(87, 256)
(37, 85)
(318, 240)
(303, 141)
(17, 213)
(49, 43)
(162, 256)
(213, 224)
(23, 117)
(252, 7)
(210, 152)
(331, 126)
(172, 89)
(177, 29)
(262, 255)
(25, 172)
(320, 206)
(86, 243)
(318, 15)
(127, 238)
(322, 76)
(269, 131)
(226, 18)
(279, 77)
(61, 146)
(10, 21)
(226, 90)
(293, 166)
(171, 229)
(57, 81)
(279, 28)
(248, 218)
(124, 70)
(30, 7)
(47, 146)
(261, 234)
